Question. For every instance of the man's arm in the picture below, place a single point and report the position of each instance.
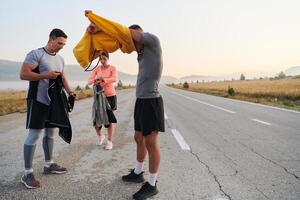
(66, 84)
(92, 28)
(136, 35)
(27, 73)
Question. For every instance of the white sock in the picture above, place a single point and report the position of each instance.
(48, 163)
(28, 171)
(138, 167)
(152, 179)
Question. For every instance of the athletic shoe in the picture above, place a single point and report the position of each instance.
(54, 169)
(145, 192)
(100, 140)
(29, 181)
(109, 145)
(133, 177)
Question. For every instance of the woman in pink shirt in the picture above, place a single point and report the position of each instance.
(105, 75)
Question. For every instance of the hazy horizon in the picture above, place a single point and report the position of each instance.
(211, 38)
(271, 73)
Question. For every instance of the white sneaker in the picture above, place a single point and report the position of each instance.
(100, 140)
(109, 145)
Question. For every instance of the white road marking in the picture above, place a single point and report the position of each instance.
(180, 140)
(262, 122)
(257, 104)
(205, 103)
(166, 116)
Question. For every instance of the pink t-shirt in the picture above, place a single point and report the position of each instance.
(109, 76)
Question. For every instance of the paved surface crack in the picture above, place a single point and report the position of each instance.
(212, 174)
(273, 162)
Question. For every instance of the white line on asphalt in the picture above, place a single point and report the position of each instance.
(208, 104)
(258, 104)
(166, 116)
(180, 140)
(262, 122)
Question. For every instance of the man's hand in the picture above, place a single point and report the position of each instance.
(92, 28)
(53, 74)
(87, 12)
(71, 93)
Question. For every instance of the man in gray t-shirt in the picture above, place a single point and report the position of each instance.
(39, 67)
(149, 109)
(148, 112)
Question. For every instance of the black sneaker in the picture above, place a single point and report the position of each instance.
(133, 177)
(54, 169)
(145, 192)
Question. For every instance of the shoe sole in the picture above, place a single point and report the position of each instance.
(133, 180)
(55, 172)
(28, 186)
(146, 197)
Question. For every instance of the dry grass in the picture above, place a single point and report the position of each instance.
(12, 101)
(282, 93)
(15, 101)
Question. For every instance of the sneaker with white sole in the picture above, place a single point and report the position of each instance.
(29, 181)
(109, 145)
(100, 140)
(54, 169)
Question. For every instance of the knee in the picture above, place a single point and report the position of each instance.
(49, 132)
(151, 142)
(139, 139)
(32, 137)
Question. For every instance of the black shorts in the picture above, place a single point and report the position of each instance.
(37, 115)
(149, 115)
(112, 100)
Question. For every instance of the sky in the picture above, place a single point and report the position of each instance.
(200, 37)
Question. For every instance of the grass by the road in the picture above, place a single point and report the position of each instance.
(281, 93)
(15, 101)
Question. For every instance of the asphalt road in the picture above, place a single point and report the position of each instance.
(213, 149)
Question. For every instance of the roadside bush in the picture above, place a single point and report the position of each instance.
(120, 84)
(78, 88)
(185, 85)
(230, 91)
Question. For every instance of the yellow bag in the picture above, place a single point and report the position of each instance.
(111, 37)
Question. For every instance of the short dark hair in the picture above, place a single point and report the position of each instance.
(135, 27)
(57, 33)
(105, 54)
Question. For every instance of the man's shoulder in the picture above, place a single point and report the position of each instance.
(151, 35)
(150, 39)
(37, 53)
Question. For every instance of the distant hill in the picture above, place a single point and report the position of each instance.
(9, 71)
(292, 71)
(235, 76)
(200, 78)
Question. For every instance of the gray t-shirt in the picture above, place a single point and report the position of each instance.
(46, 62)
(150, 67)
